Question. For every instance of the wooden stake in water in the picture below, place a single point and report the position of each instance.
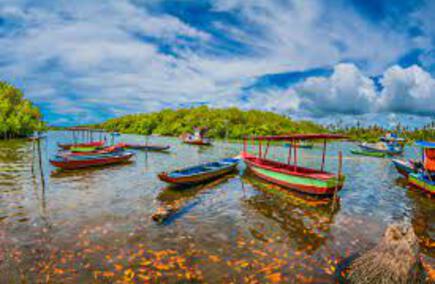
(41, 170)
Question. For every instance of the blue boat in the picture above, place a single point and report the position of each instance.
(200, 173)
(405, 167)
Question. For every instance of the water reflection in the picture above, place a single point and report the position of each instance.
(174, 201)
(306, 220)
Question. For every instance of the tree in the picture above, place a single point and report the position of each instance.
(18, 116)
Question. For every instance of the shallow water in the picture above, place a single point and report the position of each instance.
(95, 225)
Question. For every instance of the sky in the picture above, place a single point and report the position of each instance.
(85, 61)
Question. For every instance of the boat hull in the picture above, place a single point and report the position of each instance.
(404, 168)
(198, 142)
(197, 178)
(368, 153)
(92, 144)
(80, 163)
(423, 183)
(385, 151)
(154, 148)
(304, 184)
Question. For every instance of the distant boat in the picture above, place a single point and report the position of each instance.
(303, 145)
(381, 147)
(368, 153)
(146, 147)
(197, 138)
(80, 162)
(115, 134)
(200, 173)
(79, 145)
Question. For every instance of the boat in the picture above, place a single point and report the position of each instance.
(83, 149)
(382, 147)
(424, 179)
(146, 147)
(78, 145)
(200, 142)
(197, 138)
(291, 176)
(115, 134)
(97, 151)
(303, 145)
(80, 162)
(405, 167)
(368, 153)
(423, 182)
(200, 173)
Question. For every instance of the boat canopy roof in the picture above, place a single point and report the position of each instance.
(296, 137)
(78, 128)
(425, 144)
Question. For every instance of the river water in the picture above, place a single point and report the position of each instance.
(95, 225)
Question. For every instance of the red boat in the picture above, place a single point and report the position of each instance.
(94, 161)
(90, 144)
(201, 142)
(290, 175)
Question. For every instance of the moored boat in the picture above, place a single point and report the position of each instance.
(290, 175)
(200, 173)
(405, 167)
(197, 138)
(146, 147)
(424, 179)
(80, 145)
(303, 145)
(368, 153)
(423, 182)
(80, 162)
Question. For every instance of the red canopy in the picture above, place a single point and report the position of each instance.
(293, 137)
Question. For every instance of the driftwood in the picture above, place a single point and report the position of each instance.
(394, 260)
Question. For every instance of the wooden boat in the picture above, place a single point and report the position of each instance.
(290, 175)
(423, 182)
(90, 144)
(146, 147)
(425, 179)
(90, 161)
(200, 173)
(106, 150)
(368, 153)
(382, 147)
(405, 167)
(200, 142)
(83, 149)
(303, 145)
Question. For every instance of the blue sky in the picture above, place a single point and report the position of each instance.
(86, 61)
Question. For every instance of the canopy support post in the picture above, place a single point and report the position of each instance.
(259, 149)
(296, 156)
(289, 157)
(267, 149)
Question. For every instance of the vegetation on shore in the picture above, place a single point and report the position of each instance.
(18, 116)
(231, 123)
(234, 123)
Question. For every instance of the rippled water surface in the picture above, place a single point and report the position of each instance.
(95, 225)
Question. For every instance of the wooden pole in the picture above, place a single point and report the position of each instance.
(289, 157)
(244, 144)
(40, 164)
(323, 156)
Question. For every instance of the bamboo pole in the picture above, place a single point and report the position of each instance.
(322, 167)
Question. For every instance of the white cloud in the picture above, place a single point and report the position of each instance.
(408, 90)
(346, 91)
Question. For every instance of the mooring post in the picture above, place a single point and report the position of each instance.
(41, 170)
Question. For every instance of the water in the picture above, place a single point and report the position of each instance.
(95, 225)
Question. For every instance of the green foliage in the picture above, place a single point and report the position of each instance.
(232, 123)
(18, 116)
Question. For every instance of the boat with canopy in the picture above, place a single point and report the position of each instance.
(390, 144)
(425, 178)
(290, 175)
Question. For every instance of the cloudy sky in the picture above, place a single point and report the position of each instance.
(85, 61)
